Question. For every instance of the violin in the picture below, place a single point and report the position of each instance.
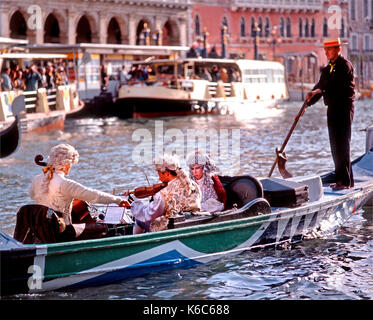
(144, 192)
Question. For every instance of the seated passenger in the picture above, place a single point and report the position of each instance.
(181, 195)
(201, 168)
(205, 75)
(53, 190)
(224, 75)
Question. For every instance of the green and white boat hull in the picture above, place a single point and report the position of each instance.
(36, 268)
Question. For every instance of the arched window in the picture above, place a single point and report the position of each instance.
(313, 33)
(353, 10)
(342, 31)
(260, 26)
(83, 31)
(300, 28)
(252, 27)
(325, 28)
(267, 28)
(114, 33)
(306, 29)
(282, 27)
(365, 9)
(197, 25)
(243, 27)
(225, 23)
(51, 30)
(288, 27)
(17, 26)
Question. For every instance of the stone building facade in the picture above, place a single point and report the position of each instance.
(95, 21)
(361, 41)
(290, 31)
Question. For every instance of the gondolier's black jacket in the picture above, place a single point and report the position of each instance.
(337, 86)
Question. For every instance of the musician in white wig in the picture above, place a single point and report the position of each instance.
(202, 170)
(52, 189)
(181, 195)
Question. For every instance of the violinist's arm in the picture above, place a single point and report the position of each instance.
(150, 211)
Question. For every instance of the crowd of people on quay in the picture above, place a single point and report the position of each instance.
(33, 77)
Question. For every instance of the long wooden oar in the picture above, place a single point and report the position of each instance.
(280, 155)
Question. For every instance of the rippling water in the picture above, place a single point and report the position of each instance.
(339, 267)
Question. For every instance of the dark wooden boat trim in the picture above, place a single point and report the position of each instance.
(144, 107)
(9, 139)
(79, 112)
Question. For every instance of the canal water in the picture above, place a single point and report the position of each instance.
(114, 156)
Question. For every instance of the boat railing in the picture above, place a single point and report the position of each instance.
(52, 98)
(63, 98)
(219, 89)
(30, 100)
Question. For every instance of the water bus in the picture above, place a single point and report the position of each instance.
(43, 109)
(195, 85)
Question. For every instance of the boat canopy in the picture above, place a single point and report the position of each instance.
(6, 42)
(32, 56)
(98, 48)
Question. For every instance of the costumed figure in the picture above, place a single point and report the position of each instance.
(337, 87)
(181, 195)
(202, 170)
(52, 190)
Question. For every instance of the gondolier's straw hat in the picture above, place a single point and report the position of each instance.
(330, 43)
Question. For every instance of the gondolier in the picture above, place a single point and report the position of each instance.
(337, 87)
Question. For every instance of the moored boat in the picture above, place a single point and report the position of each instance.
(9, 139)
(171, 87)
(192, 239)
(43, 109)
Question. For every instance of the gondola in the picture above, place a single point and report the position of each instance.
(9, 139)
(279, 211)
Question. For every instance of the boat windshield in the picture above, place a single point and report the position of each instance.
(192, 70)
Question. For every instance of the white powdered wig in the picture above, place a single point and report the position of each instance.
(59, 156)
(171, 162)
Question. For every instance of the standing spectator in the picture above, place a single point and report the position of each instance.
(215, 73)
(58, 78)
(104, 78)
(7, 82)
(50, 77)
(19, 81)
(123, 76)
(206, 75)
(33, 78)
(64, 79)
(43, 82)
(213, 53)
(193, 51)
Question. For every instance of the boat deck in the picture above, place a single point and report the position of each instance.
(39, 122)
